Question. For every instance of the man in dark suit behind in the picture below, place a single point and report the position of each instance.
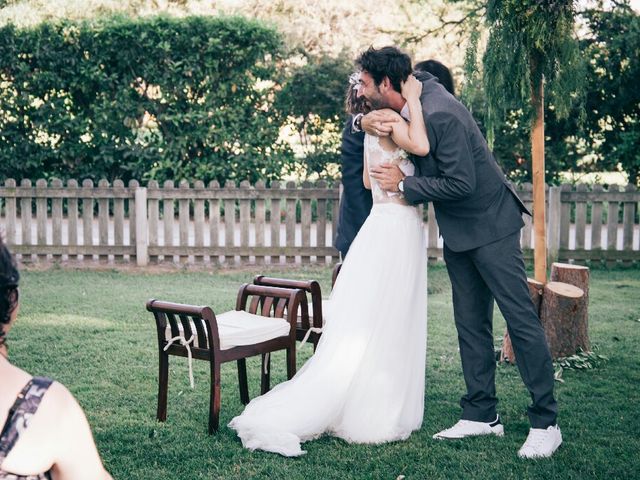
(480, 217)
(356, 201)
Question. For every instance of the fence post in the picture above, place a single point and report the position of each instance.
(555, 219)
(142, 230)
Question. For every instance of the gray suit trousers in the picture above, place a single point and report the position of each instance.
(478, 276)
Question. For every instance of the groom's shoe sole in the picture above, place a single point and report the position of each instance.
(498, 431)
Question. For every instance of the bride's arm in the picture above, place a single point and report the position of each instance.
(412, 136)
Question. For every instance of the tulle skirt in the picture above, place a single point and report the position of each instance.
(365, 382)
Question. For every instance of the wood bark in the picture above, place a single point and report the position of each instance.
(576, 275)
(564, 317)
(535, 291)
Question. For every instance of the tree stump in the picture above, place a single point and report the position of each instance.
(576, 275)
(535, 291)
(564, 318)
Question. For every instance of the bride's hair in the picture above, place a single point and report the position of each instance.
(353, 103)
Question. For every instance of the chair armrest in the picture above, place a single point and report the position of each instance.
(166, 313)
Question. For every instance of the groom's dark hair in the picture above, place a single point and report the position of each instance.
(386, 62)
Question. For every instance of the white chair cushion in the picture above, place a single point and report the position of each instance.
(238, 327)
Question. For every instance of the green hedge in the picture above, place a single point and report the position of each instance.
(153, 98)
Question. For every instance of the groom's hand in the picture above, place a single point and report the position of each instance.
(388, 176)
(378, 123)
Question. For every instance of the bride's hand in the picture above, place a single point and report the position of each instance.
(412, 88)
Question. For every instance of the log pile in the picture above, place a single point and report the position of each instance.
(562, 305)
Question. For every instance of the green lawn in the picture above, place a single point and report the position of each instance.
(89, 330)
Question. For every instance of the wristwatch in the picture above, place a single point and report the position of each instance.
(401, 185)
(356, 126)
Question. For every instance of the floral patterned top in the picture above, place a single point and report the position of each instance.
(23, 409)
(377, 155)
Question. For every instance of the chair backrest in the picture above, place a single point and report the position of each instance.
(311, 287)
(185, 320)
(270, 301)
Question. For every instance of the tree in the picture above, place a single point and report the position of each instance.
(312, 101)
(532, 43)
(612, 127)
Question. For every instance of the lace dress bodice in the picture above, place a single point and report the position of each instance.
(376, 155)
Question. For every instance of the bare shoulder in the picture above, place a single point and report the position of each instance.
(59, 403)
(60, 395)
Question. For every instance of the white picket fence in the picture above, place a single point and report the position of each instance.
(279, 224)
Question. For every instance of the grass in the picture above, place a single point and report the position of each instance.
(89, 330)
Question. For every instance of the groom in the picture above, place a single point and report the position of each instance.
(480, 217)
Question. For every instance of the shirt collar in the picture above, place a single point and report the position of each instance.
(404, 113)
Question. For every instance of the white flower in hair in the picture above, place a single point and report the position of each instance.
(354, 80)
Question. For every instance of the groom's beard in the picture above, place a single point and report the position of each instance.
(377, 103)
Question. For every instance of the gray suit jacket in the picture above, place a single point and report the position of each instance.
(474, 202)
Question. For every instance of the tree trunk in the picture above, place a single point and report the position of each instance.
(564, 318)
(578, 276)
(535, 290)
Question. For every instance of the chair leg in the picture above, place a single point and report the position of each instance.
(214, 401)
(163, 386)
(265, 374)
(242, 381)
(291, 361)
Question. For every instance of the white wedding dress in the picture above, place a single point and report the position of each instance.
(365, 382)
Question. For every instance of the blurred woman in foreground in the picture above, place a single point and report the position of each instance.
(45, 434)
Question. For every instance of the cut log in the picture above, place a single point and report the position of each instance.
(564, 318)
(576, 275)
(535, 291)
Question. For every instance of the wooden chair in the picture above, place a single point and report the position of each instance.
(264, 321)
(311, 314)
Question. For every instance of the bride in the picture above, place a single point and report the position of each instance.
(365, 382)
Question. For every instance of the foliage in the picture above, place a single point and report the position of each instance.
(529, 41)
(512, 143)
(312, 99)
(600, 131)
(330, 27)
(580, 361)
(612, 128)
(153, 98)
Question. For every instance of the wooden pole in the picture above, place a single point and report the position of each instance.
(537, 157)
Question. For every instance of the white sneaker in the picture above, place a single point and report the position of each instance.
(469, 428)
(541, 443)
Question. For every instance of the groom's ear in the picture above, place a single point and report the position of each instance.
(386, 84)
